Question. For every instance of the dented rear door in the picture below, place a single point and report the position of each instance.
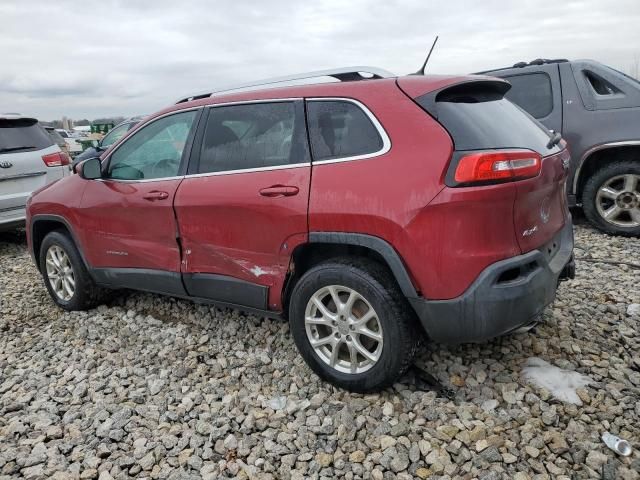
(242, 207)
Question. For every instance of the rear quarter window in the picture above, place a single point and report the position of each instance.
(341, 129)
(24, 134)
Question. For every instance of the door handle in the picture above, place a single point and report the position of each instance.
(279, 191)
(155, 195)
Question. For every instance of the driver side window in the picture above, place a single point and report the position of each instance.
(154, 151)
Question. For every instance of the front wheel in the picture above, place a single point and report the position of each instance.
(65, 275)
(611, 198)
(352, 325)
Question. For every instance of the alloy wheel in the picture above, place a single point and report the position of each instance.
(60, 273)
(343, 329)
(618, 200)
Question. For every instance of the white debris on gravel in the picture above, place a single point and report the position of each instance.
(277, 403)
(562, 384)
(633, 310)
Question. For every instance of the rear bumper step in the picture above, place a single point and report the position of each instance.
(506, 296)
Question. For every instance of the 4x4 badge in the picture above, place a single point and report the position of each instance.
(6, 164)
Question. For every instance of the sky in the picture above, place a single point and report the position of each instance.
(90, 59)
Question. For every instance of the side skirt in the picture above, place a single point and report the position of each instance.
(219, 290)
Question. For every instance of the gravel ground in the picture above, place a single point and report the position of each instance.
(152, 387)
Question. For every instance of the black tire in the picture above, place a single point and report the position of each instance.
(590, 192)
(399, 326)
(86, 294)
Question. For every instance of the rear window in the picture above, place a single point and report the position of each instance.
(480, 118)
(22, 135)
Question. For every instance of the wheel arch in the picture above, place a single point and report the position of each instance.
(599, 156)
(325, 245)
(41, 226)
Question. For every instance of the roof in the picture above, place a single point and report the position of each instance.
(15, 116)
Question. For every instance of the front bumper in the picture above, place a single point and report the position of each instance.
(506, 295)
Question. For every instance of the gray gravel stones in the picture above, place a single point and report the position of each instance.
(158, 388)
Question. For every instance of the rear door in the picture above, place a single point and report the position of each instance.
(243, 207)
(23, 142)
(537, 91)
(129, 230)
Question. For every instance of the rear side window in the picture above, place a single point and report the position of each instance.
(600, 85)
(478, 117)
(21, 135)
(532, 92)
(57, 138)
(340, 129)
(255, 135)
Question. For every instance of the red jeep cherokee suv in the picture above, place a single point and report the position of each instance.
(361, 210)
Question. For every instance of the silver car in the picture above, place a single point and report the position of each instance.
(29, 159)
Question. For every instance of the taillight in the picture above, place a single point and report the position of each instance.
(57, 159)
(497, 166)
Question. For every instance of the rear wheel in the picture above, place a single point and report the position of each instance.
(352, 325)
(65, 275)
(611, 198)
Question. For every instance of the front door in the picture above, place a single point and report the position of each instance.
(243, 207)
(129, 226)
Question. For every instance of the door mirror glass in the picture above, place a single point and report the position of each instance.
(90, 169)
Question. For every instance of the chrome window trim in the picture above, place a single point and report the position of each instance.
(249, 102)
(107, 159)
(386, 141)
(143, 180)
(602, 146)
(249, 170)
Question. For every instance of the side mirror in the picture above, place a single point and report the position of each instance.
(90, 169)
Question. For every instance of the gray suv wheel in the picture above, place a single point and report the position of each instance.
(611, 198)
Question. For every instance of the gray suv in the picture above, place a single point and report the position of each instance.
(597, 110)
(29, 159)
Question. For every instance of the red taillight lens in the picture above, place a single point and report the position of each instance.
(56, 159)
(495, 167)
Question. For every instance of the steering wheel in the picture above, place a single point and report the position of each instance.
(161, 167)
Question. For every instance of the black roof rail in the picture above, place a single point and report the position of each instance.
(540, 61)
(537, 61)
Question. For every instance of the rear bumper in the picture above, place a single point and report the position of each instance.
(506, 295)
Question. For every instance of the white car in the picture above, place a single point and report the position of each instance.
(29, 160)
(72, 143)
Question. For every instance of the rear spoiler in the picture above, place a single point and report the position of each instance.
(487, 89)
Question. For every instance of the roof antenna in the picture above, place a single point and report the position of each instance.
(424, 65)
